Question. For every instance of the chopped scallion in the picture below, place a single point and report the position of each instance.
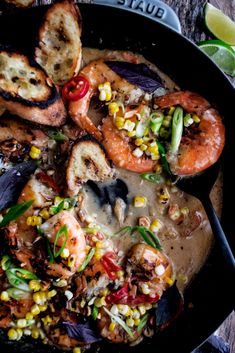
(177, 129)
(152, 177)
(143, 323)
(156, 120)
(120, 322)
(56, 135)
(149, 237)
(87, 260)
(95, 312)
(63, 231)
(15, 212)
(6, 262)
(164, 161)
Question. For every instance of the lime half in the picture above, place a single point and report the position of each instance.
(221, 53)
(220, 25)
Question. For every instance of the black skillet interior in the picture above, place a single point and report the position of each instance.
(209, 299)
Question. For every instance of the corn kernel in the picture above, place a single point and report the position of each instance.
(98, 245)
(77, 350)
(158, 168)
(143, 147)
(146, 131)
(53, 292)
(5, 296)
(34, 152)
(35, 333)
(19, 333)
(44, 213)
(112, 326)
(131, 133)
(148, 306)
(144, 288)
(135, 314)
(139, 141)
(196, 118)
(103, 292)
(71, 261)
(82, 303)
(98, 255)
(114, 309)
(129, 125)
(29, 316)
(184, 211)
(35, 310)
(105, 91)
(171, 110)
(140, 201)
(169, 281)
(58, 200)
(160, 270)
(137, 322)
(34, 221)
(39, 298)
(120, 274)
(155, 156)
(137, 152)
(65, 253)
(164, 195)
(21, 323)
(130, 322)
(125, 310)
(142, 309)
(113, 108)
(47, 320)
(35, 285)
(153, 149)
(100, 302)
(43, 308)
(119, 122)
(155, 225)
(12, 334)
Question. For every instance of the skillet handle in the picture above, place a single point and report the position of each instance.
(153, 9)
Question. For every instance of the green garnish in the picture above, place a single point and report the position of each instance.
(61, 206)
(95, 312)
(164, 162)
(152, 177)
(6, 262)
(56, 135)
(17, 278)
(143, 322)
(149, 237)
(177, 129)
(17, 294)
(156, 120)
(120, 322)
(50, 254)
(62, 231)
(87, 260)
(15, 212)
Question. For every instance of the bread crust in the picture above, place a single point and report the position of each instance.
(20, 3)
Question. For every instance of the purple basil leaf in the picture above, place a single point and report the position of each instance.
(86, 332)
(12, 182)
(169, 307)
(137, 74)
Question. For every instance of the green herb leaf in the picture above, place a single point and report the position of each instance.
(149, 237)
(87, 260)
(62, 231)
(143, 323)
(152, 177)
(95, 312)
(6, 262)
(15, 212)
(56, 135)
(120, 322)
(164, 162)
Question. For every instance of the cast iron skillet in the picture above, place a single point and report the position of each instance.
(209, 299)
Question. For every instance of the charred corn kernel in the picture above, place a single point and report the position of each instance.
(43, 308)
(29, 316)
(53, 292)
(158, 168)
(112, 326)
(35, 310)
(119, 122)
(34, 221)
(12, 334)
(58, 200)
(196, 118)
(130, 322)
(5, 296)
(113, 108)
(114, 309)
(29, 221)
(160, 270)
(155, 225)
(34, 152)
(142, 309)
(143, 147)
(184, 211)
(35, 285)
(47, 320)
(65, 253)
(135, 314)
(21, 323)
(98, 255)
(140, 201)
(171, 110)
(137, 322)
(164, 195)
(40, 298)
(144, 288)
(98, 245)
(77, 350)
(129, 125)
(35, 333)
(71, 261)
(139, 141)
(131, 133)
(137, 152)
(44, 213)
(169, 281)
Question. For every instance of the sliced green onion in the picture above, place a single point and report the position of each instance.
(16, 281)
(6, 262)
(50, 253)
(87, 260)
(61, 205)
(149, 237)
(17, 294)
(62, 231)
(140, 128)
(120, 322)
(188, 120)
(156, 120)
(143, 323)
(95, 312)
(25, 274)
(164, 162)
(152, 177)
(56, 135)
(177, 129)
(15, 212)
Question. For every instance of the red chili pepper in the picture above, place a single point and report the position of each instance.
(76, 88)
(49, 181)
(119, 295)
(109, 266)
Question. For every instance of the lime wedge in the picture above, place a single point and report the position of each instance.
(220, 25)
(221, 53)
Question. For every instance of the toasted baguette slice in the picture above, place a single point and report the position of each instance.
(20, 3)
(26, 90)
(87, 162)
(59, 51)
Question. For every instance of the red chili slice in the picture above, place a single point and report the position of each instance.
(109, 266)
(46, 179)
(76, 88)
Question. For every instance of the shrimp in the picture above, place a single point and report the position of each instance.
(14, 310)
(200, 150)
(119, 150)
(71, 237)
(97, 72)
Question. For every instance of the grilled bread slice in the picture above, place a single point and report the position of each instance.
(87, 162)
(20, 3)
(26, 90)
(59, 51)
